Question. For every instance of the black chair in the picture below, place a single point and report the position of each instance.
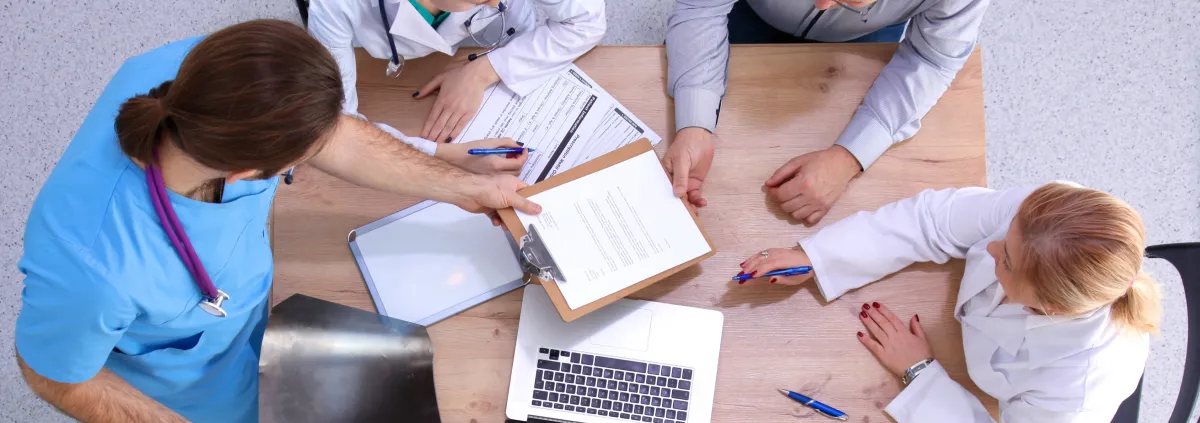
(1186, 259)
(303, 6)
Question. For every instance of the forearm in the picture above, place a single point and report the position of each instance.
(697, 60)
(103, 399)
(364, 155)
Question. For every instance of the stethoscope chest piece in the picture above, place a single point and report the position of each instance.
(395, 67)
(213, 305)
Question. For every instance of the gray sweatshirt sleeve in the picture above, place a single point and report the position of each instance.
(698, 60)
(936, 44)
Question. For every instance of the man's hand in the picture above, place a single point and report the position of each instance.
(688, 160)
(487, 164)
(486, 194)
(461, 93)
(807, 186)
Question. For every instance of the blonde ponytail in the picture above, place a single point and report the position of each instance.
(1140, 309)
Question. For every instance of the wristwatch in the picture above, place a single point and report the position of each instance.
(915, 370)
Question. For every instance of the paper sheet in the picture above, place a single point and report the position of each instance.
(615, 228)
(568, 121)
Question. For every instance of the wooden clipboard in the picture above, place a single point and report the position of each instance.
(510, 220)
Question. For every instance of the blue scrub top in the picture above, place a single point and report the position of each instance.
(104, 287)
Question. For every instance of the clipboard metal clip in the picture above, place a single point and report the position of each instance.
(536, 258)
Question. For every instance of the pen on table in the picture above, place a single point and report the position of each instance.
(781, 272)
(513, 150)
(822, 409)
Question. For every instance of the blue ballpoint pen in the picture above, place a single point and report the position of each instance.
(781, 272)
(482, 151)
(822, 409)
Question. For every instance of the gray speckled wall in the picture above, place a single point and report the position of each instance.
(1108, 97)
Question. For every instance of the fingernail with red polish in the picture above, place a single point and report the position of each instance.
(860, 335)
(753, 273)
(743, 264)
(741, 282)
(866, 307)
(917, 317)
(863, 314)
(773, 280)
(875, 304)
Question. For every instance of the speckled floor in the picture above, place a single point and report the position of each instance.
(1107, 96)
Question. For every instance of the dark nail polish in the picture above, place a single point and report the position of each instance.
(753, 273)
(743, 264)
(520, 143)
(918, 318)
(741, 273)
(860, 335)
(773, 280)
(741, 282)
(448, 139)
(875, 304)
(415, 93)
(866, 307)
(862, 314)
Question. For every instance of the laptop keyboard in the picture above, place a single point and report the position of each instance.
(611, 387)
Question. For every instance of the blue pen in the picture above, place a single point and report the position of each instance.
(822, 409)
(482, 151)
(781, 272)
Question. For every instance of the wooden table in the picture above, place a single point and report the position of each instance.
(782, 101)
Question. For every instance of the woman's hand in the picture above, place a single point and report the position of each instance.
(776, 259)
(461, 93)
(487, 164)
(897, 345)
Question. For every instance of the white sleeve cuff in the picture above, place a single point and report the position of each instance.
(828, 287)
(865, 138)
(424, 145)
(696, 107)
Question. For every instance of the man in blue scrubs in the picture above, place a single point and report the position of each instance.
(110, 329)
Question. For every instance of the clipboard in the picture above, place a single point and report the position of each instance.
(537, 261)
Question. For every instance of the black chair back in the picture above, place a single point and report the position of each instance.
(1186, 259)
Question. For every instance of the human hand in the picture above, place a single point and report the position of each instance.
(488, 193)
(776, 259)
(687, 161)
(896, 345)
(807, 186)
(486, 164)
(461, 93)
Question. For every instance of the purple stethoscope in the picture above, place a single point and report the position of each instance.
(213, 297)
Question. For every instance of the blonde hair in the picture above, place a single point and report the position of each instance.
(1082, 250)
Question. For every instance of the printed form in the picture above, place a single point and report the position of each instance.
(615, 228)
(568, 120)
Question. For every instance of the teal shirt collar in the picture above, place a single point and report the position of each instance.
(433, 21)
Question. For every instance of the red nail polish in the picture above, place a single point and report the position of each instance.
(753, 273)
(863, 314)
(741, 282)
(918, 318)
(743, 264)
(875, 304)
(773, 280)
(860, 335)
(741, 273)
(866, 307)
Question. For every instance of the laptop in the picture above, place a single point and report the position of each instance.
(631, 361)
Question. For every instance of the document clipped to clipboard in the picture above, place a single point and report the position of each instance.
(608, 228)
(433, 260)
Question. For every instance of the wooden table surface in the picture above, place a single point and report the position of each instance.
(782, 101)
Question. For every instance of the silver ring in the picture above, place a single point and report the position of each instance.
(764, 253)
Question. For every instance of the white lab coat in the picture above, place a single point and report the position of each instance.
(535, 53)
(1043, 369)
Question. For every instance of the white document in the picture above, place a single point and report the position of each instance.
(568, 120)
(615, 228)
(430, 264)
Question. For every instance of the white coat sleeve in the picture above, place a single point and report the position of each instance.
(934, 397)
(571, 29)
(932, 226)
(329, 24)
